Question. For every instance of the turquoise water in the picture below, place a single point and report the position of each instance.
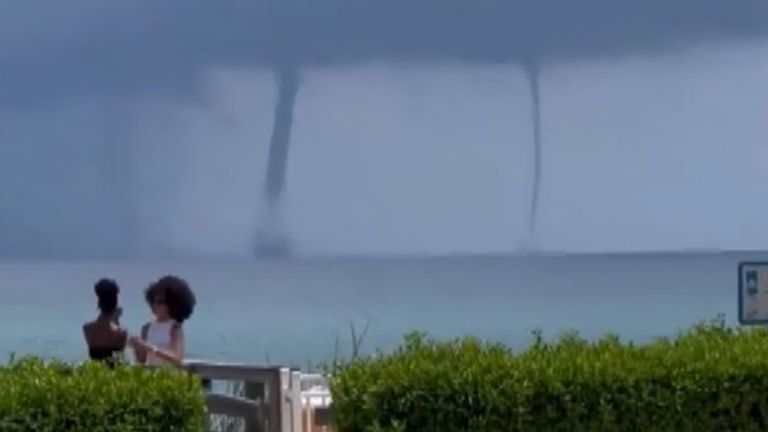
(293, 310)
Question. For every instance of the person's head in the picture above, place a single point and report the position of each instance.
(107, 292)
(170, 298)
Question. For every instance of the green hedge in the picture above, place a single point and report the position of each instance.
(57, 397)
(708, 379)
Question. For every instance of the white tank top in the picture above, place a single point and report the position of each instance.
(159, 335)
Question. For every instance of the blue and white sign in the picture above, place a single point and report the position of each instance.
(753, 293)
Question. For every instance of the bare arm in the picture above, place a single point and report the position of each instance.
(140, 349)
(177, 345)
(122, 338)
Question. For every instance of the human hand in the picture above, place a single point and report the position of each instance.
(141, 345)
(136, 343)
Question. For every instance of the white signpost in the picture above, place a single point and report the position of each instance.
(753, 293)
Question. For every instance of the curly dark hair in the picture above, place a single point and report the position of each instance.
(176, 295)
(107, 291)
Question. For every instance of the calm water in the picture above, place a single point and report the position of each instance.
(294, 310)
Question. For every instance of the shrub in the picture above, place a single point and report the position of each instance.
(710, 378)
(58, 397)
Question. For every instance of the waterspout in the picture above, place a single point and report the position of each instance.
(272, 237)
(532, 73)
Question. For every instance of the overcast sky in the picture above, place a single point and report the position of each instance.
(134, 129)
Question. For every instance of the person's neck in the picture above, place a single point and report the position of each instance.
(104, 317)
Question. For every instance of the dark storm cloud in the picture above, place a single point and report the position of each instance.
(49, 47)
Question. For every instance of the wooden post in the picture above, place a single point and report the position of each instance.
(296, 402)
(275, 403)
(285, 395)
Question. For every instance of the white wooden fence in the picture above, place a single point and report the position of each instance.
(287, 400)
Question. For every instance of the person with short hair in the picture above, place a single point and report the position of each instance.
(105, 339)
(162, 340)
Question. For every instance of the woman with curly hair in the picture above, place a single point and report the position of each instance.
(162, 340)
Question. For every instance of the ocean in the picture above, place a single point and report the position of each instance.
(298, 311)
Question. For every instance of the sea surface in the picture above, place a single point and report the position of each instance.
(299, 311)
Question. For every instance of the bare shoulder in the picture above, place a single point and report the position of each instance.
(89, 326)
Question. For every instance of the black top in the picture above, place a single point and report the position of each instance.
(105, 354)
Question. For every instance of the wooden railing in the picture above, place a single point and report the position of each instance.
(271, 401)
